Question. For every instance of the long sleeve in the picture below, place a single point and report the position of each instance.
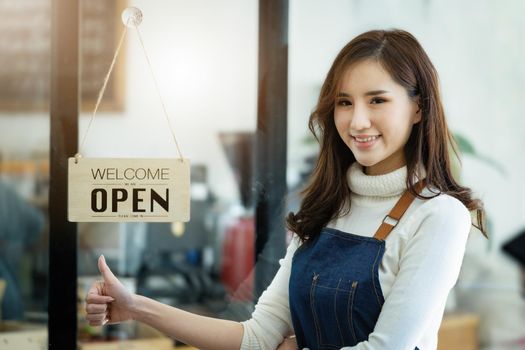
(271, 320)
(428, 269)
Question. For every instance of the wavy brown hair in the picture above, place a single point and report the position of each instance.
(401, 55)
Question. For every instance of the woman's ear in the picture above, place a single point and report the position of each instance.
(417, 116)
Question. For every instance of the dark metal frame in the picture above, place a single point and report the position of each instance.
(62, 309)
(271, 139)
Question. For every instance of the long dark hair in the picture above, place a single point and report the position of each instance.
(401, 55)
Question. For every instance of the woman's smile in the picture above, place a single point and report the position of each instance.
(365, 142)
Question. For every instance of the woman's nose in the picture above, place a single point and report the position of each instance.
(360, 119)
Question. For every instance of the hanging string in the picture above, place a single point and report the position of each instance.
(158, 90)
(103, 89)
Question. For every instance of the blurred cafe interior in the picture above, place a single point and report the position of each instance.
(238, 79)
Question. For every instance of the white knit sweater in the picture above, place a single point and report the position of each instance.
(421, 264)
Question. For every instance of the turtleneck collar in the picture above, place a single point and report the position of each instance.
(376, 188)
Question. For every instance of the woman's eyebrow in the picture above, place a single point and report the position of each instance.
(368, 93)
(376, 92)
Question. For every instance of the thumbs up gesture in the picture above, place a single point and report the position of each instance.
(108, 301)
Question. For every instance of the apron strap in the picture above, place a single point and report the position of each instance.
(397, 212)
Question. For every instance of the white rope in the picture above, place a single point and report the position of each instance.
(103, 89)
(158, 91)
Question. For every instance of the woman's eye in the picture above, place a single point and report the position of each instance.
(377, 100)
(344, 103)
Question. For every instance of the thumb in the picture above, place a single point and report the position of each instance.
(104, 269)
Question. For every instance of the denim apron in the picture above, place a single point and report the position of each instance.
(334, 290)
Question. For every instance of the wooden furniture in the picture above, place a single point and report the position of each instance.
(459, 332)
(137, 344)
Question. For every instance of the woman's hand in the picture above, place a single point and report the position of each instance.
(108, 301)
(288, 343)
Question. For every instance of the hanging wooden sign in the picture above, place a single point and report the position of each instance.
(116, 189)
(127, 189)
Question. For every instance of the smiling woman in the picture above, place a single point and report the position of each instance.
(383, 167)
(382, 83)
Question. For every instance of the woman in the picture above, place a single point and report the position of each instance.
(381, 232)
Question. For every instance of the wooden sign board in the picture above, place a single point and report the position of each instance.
(128, 189)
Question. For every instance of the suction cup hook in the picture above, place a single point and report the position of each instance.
(132, 17)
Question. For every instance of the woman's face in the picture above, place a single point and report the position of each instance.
(374, 116)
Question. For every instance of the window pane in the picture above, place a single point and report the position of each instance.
(24, 168)
(204, 58)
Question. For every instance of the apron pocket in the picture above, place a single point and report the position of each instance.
(329, 302)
